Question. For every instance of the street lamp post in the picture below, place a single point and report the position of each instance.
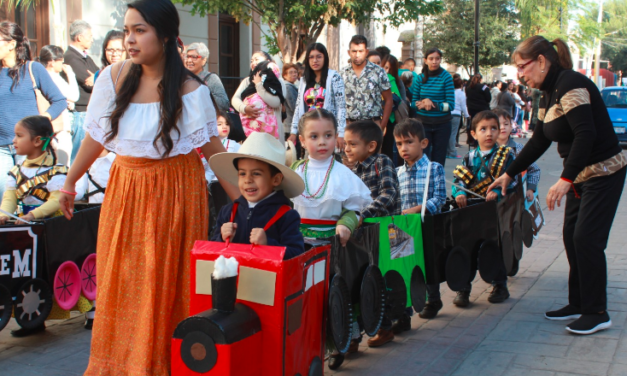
(476, 44)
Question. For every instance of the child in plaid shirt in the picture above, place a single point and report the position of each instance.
(363, 142)
(504, 139)
(411, 142)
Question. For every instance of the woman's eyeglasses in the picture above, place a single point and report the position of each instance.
(522, 66)
(193, 57)
(114, 51)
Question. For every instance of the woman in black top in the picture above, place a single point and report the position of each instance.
(477, 99)
(572, 113)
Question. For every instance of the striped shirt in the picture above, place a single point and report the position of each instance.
(412, 182)
(440, 91)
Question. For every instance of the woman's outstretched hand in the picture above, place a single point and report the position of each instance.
(502, 182)
(556, 193)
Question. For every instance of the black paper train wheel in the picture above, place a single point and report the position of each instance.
(6, 306)
(316, 368)
(490, 260)
(33, 303)
(372, 300)
(527, 229)
(396, 295)
(507, 247)
(418, 289)
(340, 314)
(199, 352)
(517, 239)
(457, 269)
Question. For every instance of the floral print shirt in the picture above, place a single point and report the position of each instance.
(363, 93)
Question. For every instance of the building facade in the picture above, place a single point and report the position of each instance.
(230, 43)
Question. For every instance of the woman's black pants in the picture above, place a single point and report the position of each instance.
(587, 223)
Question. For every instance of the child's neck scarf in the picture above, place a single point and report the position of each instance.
(44, 160)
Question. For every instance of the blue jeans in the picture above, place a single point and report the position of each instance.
(451, 151)
(438, 136)
(78, 133)
(7, 161)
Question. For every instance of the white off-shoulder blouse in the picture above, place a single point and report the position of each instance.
(139, 125)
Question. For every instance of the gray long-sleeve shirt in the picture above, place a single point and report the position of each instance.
(216, 88)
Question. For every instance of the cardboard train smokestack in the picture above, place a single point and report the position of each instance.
(224, 284)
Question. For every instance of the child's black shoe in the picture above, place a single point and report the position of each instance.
(499, 294)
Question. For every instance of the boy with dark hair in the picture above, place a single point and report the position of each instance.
(505, 139)
(363, 142)
(262, 214)
(411, 142)
(480, 167)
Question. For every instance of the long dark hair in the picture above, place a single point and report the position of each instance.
(393, 61)
(476, 79)
(50, 53)
(11, 31)
(310, 75)
(40, 126)
(425, 67)
(111, 35)
(163, 16)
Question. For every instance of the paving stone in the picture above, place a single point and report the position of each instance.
(546, 363)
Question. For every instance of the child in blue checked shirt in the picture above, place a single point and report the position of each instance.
(411, 142)
(504, 139)
(480, 168)
(363, 142)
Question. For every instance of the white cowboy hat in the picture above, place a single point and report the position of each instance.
(265, 148)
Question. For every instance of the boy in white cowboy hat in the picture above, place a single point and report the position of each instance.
(262, 214)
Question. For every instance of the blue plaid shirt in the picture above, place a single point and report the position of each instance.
(412, 183)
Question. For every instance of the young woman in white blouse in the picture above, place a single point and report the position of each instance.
(152, 113)
(51, 57)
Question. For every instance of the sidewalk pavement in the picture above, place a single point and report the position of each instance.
(511, 338)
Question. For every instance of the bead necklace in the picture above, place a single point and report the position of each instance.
(324, 184)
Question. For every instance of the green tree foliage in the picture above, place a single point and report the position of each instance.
(570, 20)
(614, 42)
(295, 23)
(453, 32)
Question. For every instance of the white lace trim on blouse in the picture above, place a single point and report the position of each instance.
(139, 125)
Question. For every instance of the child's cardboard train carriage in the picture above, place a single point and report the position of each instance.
(276, 324)
(486, 236)
(51, 259)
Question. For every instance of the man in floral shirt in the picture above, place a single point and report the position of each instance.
(365, 85)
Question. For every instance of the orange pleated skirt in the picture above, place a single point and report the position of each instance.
(153, 212)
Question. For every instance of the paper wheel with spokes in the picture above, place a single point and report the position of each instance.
(88, 277)
(67, 285)
(6, 306)
(33, 303)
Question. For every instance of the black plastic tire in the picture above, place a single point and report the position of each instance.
(33, 303)
(458, 269)
(6, 306)
(418, 289)
(372, 300)
(396, 299)
(340, 314)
